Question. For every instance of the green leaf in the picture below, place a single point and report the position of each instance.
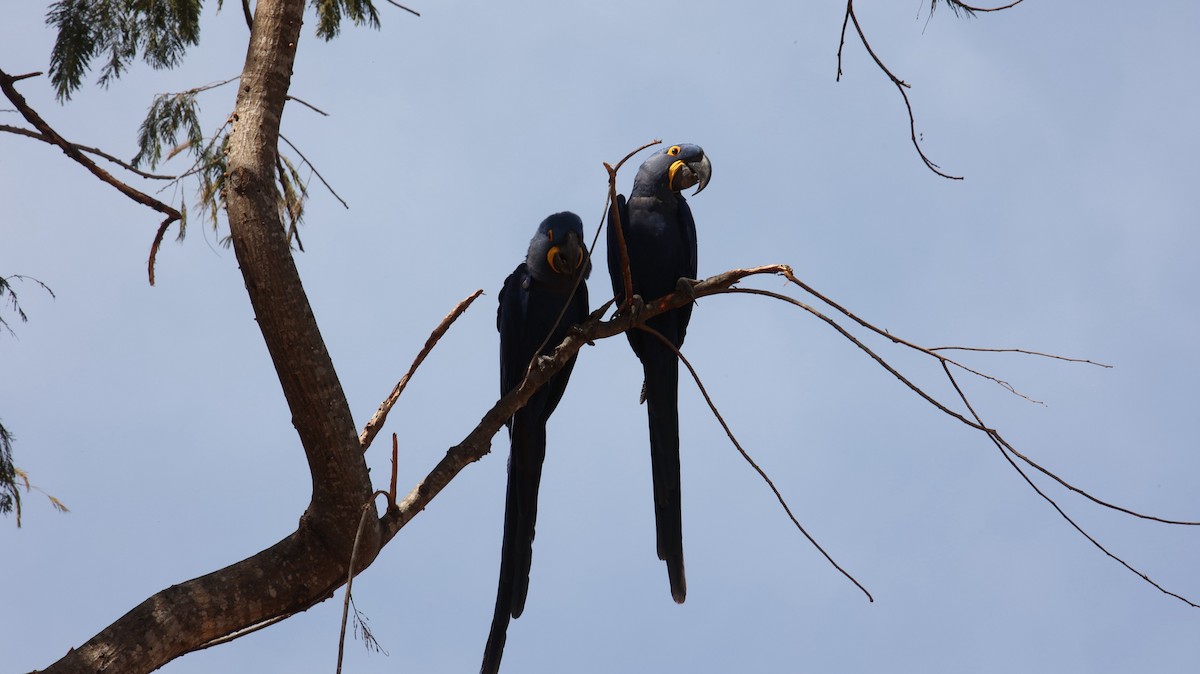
(161, 30)
(167, 116)
(330, 12)
(10, 496)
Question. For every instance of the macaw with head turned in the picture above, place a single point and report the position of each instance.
(660, 237)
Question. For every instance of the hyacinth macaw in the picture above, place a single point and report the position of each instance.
(531, 316)
(660, 236)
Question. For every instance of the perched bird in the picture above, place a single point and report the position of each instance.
(660, 236)
(532, 321)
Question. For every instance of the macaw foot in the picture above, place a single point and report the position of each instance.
(687, 285)
(632, 308)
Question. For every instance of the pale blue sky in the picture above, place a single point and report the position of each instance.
(154, 413)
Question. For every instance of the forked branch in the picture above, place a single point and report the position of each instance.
(753, 464)
(901, 85)
(377, 420)
(974, 421)
(477, 443)
(71, 150)
(611, 207)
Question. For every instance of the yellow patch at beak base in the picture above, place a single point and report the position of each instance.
(680, 182)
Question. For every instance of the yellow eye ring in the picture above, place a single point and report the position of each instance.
(550, 234)
(673, 151)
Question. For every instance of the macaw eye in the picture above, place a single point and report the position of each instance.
(673, 151)
(550, 234)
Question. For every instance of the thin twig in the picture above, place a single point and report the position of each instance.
(395, 464)
(969, 8)
(292, 208)
(1024, 351)
(864, 348)
(477, 443)
(31, 116)
(901, 85)
(623, 249)
(1086, 495)
(791, 277)
(745, 455)
(18, 78)
(415, 12)
(933, 353)
(362, 524)
(84, 148)
(612, 185)
(1001, 444)
(978, 424)
(315, 171)
(205, 87)
(197, 166)
(308, 105)
(944, 360)
(377, 420)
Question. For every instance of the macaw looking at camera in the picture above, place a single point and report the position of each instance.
(540, 301)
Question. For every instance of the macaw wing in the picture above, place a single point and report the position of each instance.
(615, 271)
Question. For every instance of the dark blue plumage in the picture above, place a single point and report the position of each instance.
(531, 301)
(660, 236)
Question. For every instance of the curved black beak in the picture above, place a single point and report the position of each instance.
(684, 174)
(567, 257)
(703, 171)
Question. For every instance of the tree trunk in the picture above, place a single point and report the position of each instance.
(307, 566)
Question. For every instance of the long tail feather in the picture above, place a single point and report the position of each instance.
(520, 516)
(662, 392)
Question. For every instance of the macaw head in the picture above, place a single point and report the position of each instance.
(557, 251)
(676, 168)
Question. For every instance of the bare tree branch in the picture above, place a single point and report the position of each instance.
(622, 249)
(956, 6)
(351, 572)
(753, 464)
(1003, 445)
(901, 86)
(68, 148)
(308, 565)
(414, 12)
(377, 420)
(975, 422)
(314, 170)
(477, 442)
(90, 150)
(308, 105)
(1023, 351)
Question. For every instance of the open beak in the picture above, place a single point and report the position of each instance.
(683, 175)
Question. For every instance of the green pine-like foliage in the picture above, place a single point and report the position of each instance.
(9, 495)
(330, 12)
(161, 31)
(169, 114)
(117, 31)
